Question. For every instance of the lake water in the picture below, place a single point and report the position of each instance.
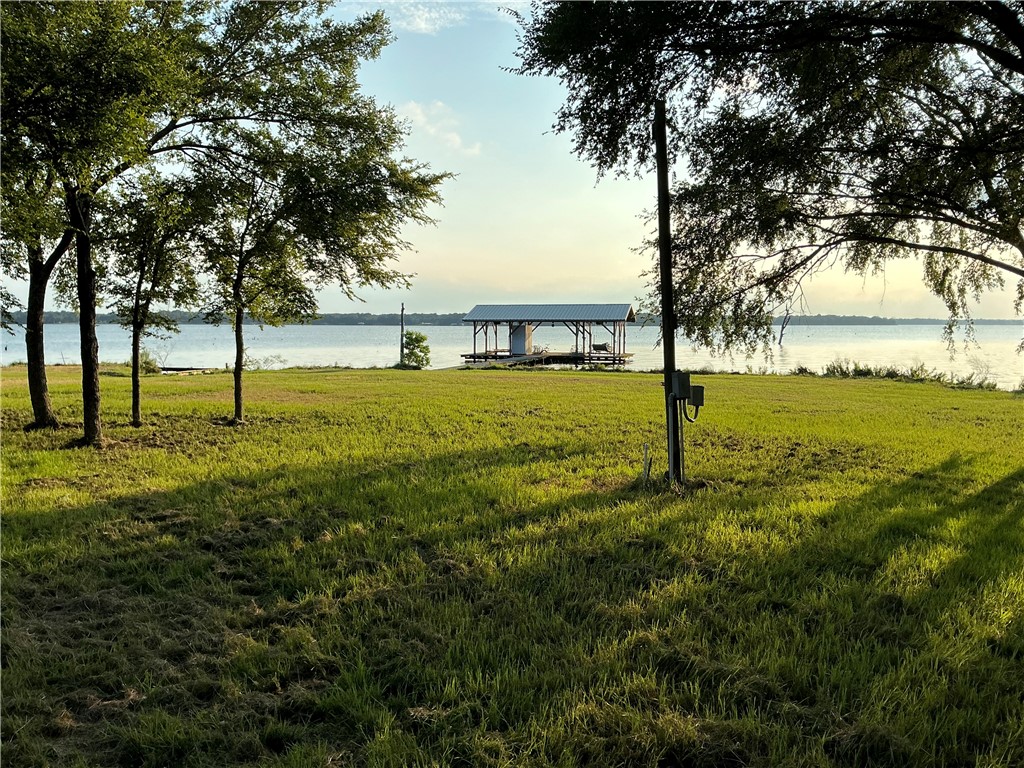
(365, 346)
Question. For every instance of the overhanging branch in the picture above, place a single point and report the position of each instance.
(1011, 268)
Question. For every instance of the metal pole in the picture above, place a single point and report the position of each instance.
(401, 349)
(668, 325)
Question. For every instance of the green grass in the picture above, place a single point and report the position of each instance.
(391, 568)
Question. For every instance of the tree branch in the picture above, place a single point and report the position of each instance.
(59, 250)
(881, 240)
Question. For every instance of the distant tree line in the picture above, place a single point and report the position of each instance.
(411, 318)
(851, 320)
(181, 317)
(874, 320)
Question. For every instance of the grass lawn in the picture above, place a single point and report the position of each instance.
(390, 568)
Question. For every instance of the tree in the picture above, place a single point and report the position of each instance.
(96, 91)
(309, 215)
(417, 351)
(31, 246)
(150, 241)
(256, 270)
(81, 85)
(806, 135)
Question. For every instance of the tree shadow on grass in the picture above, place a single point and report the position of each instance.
(162, 609)
(854, 637)
(461, 609)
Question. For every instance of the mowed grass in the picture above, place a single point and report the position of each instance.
(387, 568)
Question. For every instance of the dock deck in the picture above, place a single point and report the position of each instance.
(482, 359)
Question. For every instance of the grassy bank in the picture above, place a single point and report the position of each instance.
(388, 568)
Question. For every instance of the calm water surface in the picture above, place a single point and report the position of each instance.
(363, 346)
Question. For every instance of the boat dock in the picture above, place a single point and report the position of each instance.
(506, 331)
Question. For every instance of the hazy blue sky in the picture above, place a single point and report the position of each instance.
(525, 220)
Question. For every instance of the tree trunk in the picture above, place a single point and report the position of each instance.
(39, 271)
(38, 390)
(136, 383)
(78, 207)
(239, 362)
(140, 317)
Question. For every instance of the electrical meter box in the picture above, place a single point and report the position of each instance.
(681, 385)
(683, 390)
(696, 398)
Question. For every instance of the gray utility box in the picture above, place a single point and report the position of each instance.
(683, 390)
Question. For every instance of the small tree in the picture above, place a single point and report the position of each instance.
(150, 245)
(257, 269)
(417, 352)
(310, 215)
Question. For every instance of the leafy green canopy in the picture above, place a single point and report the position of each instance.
(81, 83)
(294, 219)
(806, 135)
(95, 92)
(150, 238)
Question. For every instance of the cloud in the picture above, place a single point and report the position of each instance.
(429, 18)
(438, 120)
(425, 18)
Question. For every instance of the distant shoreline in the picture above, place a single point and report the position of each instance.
(455, 318)
(863, 320)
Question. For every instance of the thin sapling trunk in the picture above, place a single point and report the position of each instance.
(239, 361)
(136, 376)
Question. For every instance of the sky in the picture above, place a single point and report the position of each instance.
(524, 220)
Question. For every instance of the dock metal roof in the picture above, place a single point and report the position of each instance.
(550, 313)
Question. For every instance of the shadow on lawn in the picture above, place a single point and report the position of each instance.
(413, 610)
(860, 639)
(131, 652)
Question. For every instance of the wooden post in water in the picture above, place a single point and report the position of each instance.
(401, 343)
(668, 325)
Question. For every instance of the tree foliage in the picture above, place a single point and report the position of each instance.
(416, 351)
(149, 251)
(806, 135)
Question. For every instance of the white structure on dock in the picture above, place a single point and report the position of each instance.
(514, 324)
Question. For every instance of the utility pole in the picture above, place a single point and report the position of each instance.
(401, 343)
(668, 324)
